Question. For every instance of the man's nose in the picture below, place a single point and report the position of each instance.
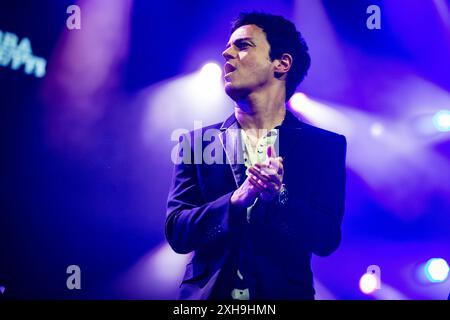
(228, 54)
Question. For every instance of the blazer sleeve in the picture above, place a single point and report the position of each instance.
(314, 222)
(191, 221)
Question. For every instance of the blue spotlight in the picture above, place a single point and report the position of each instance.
(211, 72)
(436, 270)
(441, 120)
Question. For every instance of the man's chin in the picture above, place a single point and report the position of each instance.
(235, 92)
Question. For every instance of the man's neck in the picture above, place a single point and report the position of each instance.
(260, 112)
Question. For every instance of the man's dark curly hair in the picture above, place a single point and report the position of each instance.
(283, 37)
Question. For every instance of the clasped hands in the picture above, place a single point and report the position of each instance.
(264, 181)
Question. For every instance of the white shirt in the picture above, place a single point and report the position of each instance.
(251, 157)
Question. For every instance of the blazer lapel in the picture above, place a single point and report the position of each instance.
(231, 144)
(289, 132)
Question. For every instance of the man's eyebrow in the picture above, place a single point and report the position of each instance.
(240, 40)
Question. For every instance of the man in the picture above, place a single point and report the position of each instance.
(253, 224)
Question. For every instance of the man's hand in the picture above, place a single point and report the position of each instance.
(267, 178)
(245, 195)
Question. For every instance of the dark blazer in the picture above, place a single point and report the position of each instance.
(200, 218)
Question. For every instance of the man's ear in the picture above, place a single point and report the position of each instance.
(283, 65)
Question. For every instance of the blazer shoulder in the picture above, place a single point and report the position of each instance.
(215, 126)
(199, 133)
(323, 134)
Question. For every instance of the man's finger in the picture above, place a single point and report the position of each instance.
(270, 188)
(258, 174)
(280, 171)
(271, 152)
(273, 168)
(274, 163)
(266, 176)
(257, 184)
(277, 165)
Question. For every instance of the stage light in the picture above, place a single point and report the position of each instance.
(436, 270)
(441, 120)
(207, 88)
(298, 101)
(368, 283)
(211, 71)
(371, 280)
(376, 129)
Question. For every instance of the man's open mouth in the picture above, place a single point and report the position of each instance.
(229, 68)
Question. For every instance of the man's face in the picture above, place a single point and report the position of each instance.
(248, 67)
